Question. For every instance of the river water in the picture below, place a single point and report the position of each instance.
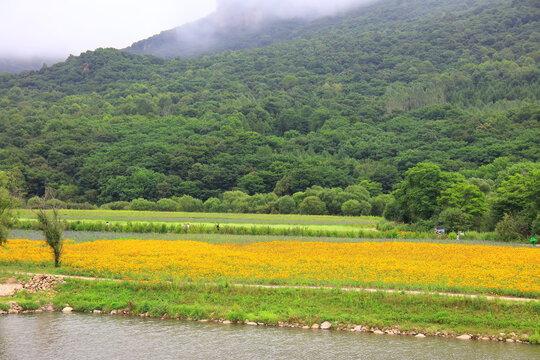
(85, 336)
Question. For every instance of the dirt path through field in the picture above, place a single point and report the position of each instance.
(413, 292)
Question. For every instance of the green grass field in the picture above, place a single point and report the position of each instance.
(185, 217)
(236, 224)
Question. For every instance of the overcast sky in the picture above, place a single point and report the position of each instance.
(62, 27)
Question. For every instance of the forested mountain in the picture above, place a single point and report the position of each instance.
(365, 96)
(239, 24)
(210, 36)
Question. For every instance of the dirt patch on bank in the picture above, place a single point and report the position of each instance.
(9, 289)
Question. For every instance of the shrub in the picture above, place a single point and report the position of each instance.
(55, 203)
(385, 225)
(116, 205)
(312, 205)
(392, 211)
(454, 220)
(426, 225)
(167, 205)
(535, 227)
(378, 204)
(351, 208)
(189, 204)
(80, 206)
(512, 228)
(286, 205)
(534, 338)
(33, 202)
(142, 205)
(214, 205)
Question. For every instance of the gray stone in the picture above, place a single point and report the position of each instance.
(326, 325)
(67, 309)
(251, 323)
(227, 322)
(358, 328)
(96, 311)
(420, 336)
(378, 332)
(315, 326)
(464, 337)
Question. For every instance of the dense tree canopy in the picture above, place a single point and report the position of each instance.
(354, 100)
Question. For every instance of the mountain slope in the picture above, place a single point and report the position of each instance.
(205, 38)
(364, 96)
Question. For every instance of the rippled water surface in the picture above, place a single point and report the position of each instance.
(80, 336)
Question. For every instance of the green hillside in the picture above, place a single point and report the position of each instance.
(203, 38)
(361, 97)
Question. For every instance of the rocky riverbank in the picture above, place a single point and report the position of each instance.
(43, 283)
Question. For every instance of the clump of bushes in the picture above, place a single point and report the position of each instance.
(512, 228)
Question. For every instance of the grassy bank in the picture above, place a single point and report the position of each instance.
(428, 314)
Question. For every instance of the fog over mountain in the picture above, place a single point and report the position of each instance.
(236, 25)
(36, 31)
(284, 9)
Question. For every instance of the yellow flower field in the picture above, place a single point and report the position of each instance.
(485, 268)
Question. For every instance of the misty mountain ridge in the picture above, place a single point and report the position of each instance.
(235, 25)
(217, 33)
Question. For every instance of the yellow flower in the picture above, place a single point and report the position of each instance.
(489, 268)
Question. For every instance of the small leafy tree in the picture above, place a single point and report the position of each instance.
(7, 219)
(52, 227)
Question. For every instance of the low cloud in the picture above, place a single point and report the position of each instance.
(291, 8)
